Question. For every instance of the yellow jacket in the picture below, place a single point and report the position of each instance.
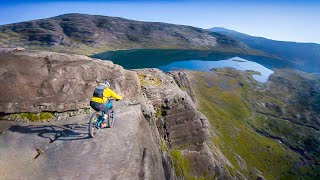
(106, 94)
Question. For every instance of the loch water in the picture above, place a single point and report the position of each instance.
(199, 60)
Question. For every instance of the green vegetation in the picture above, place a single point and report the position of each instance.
(146, 80)
(158, 112)
(163, 146)
(181, 165)
(231, 171)
(182, 88)
(32, 117)
(229, 112)
(251, 72)
(297, 136)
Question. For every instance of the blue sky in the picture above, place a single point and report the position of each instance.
(276, 19)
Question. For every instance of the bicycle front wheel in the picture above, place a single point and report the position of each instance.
(93, 124)
(110, 118)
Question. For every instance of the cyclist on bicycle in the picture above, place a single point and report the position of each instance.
(99, 100)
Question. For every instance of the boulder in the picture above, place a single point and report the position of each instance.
(34, 81)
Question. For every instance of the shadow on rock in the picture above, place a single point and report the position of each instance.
(67, 132)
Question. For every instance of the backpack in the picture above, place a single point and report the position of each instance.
(98, 91)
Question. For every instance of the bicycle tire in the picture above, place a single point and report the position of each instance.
(110, 118)
(92, 128)
(113, 118)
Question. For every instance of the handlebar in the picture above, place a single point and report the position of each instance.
(113, 99)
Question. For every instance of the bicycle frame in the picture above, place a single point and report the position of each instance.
(100, 119)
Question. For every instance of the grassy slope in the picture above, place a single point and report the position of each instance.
(223, 100)
(293, 113)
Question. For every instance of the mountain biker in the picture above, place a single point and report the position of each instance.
(99, 100)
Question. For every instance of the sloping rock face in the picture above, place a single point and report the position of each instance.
(33, 81)
(176, 106)
(63, 150)
(181, 126)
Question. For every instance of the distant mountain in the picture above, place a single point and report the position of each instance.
(305, 56)
(87, 34)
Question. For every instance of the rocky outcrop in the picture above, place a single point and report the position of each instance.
(180, 125)
(183, 81)
(33, 81)
(178, 116)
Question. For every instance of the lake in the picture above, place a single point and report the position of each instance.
(202, 60)
(235, 63)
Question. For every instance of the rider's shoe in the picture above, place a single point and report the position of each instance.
(103, 125)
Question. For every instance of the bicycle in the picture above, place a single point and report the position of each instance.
(98, 117)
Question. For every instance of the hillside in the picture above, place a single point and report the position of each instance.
(271, 130)
(87, 34)
(305, 56)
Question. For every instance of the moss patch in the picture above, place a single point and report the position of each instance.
(32, 117)
(163, 146)
(181, 165)
(158, 112)
(148, 80)
(182, 87)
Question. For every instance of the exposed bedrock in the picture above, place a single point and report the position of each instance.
(33, 81)
(180, 125)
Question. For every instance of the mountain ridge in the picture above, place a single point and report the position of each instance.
(305, 56)
(87, 34)
(222, 29)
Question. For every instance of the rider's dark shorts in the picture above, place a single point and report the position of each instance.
(98, 106)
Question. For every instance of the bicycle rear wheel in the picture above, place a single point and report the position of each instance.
(93, 124)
